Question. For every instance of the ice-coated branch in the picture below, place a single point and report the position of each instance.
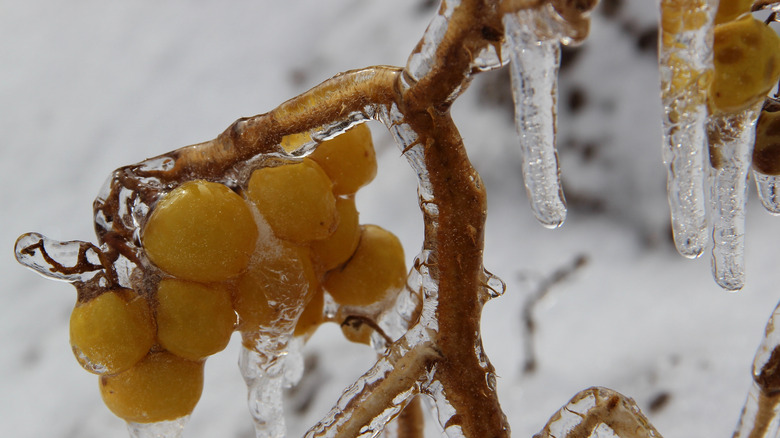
(761, 415)
(599, 410)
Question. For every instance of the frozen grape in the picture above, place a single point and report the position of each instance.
(111, 332)
(376, 267)
(728, 10)
(339, 246)
(161, 387)
(747, 64)
(279, 280)
(296, 200)
(194, 320)
(357, 331)
(766, 154)
(201, 231)
(311, 317)
(349, 159)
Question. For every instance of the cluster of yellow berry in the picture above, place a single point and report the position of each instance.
(252, 260)
(746, 57)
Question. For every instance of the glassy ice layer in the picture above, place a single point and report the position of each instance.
(534, 62)
(731, 147)
(768, 187)
(685, 59)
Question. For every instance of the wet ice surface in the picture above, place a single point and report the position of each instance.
(86, 95)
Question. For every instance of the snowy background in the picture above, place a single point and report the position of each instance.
(88, 86)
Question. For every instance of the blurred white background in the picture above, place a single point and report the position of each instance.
(88, 86)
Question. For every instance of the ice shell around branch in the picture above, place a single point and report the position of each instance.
(73, 261)
(534, 62)
(599, 411)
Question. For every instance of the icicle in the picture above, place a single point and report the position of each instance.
(685, 57)
(162, 429)
(731, 146)
(761, 415)
(768, 187)
(599, 412)
(766, 155)
(265, 379)
(534, 62)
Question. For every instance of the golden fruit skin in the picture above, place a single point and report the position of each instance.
(339, 246)
(311, 317)
(728, 10)
(201, 231)
(747, 64)
(377, 267)
(112, 332)
(766, 154)
(349, 159)
(161, 387)
(296, 200)
(282, 278)
(193, 320)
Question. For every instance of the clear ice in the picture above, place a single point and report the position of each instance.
(768, 187)
(599, 412)
(161, 429)
(731, 147)
(534, 62)
(685, 60)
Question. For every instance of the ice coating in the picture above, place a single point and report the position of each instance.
(161, 429)
(768, 187)
(534, 63)
(685, 59)
(73, 261)
(599, 412)
(761, 414)
(731, 138)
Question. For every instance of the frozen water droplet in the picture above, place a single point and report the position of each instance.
(534, 63)
(768, 187)
(731, 145)
(685, 60)
(494, 285)
(161, 429)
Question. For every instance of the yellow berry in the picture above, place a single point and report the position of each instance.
(376, 268)
(766, 153)
(339, 246)
(201, 231)
(161, 387)
(728, 10)
(281, 279)
(296, 200)
(348, 159)
(679, 16)
(112, 331)
(293, 141)
(357, 331)
(311, 317)
(193, 320)
(747, 64)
